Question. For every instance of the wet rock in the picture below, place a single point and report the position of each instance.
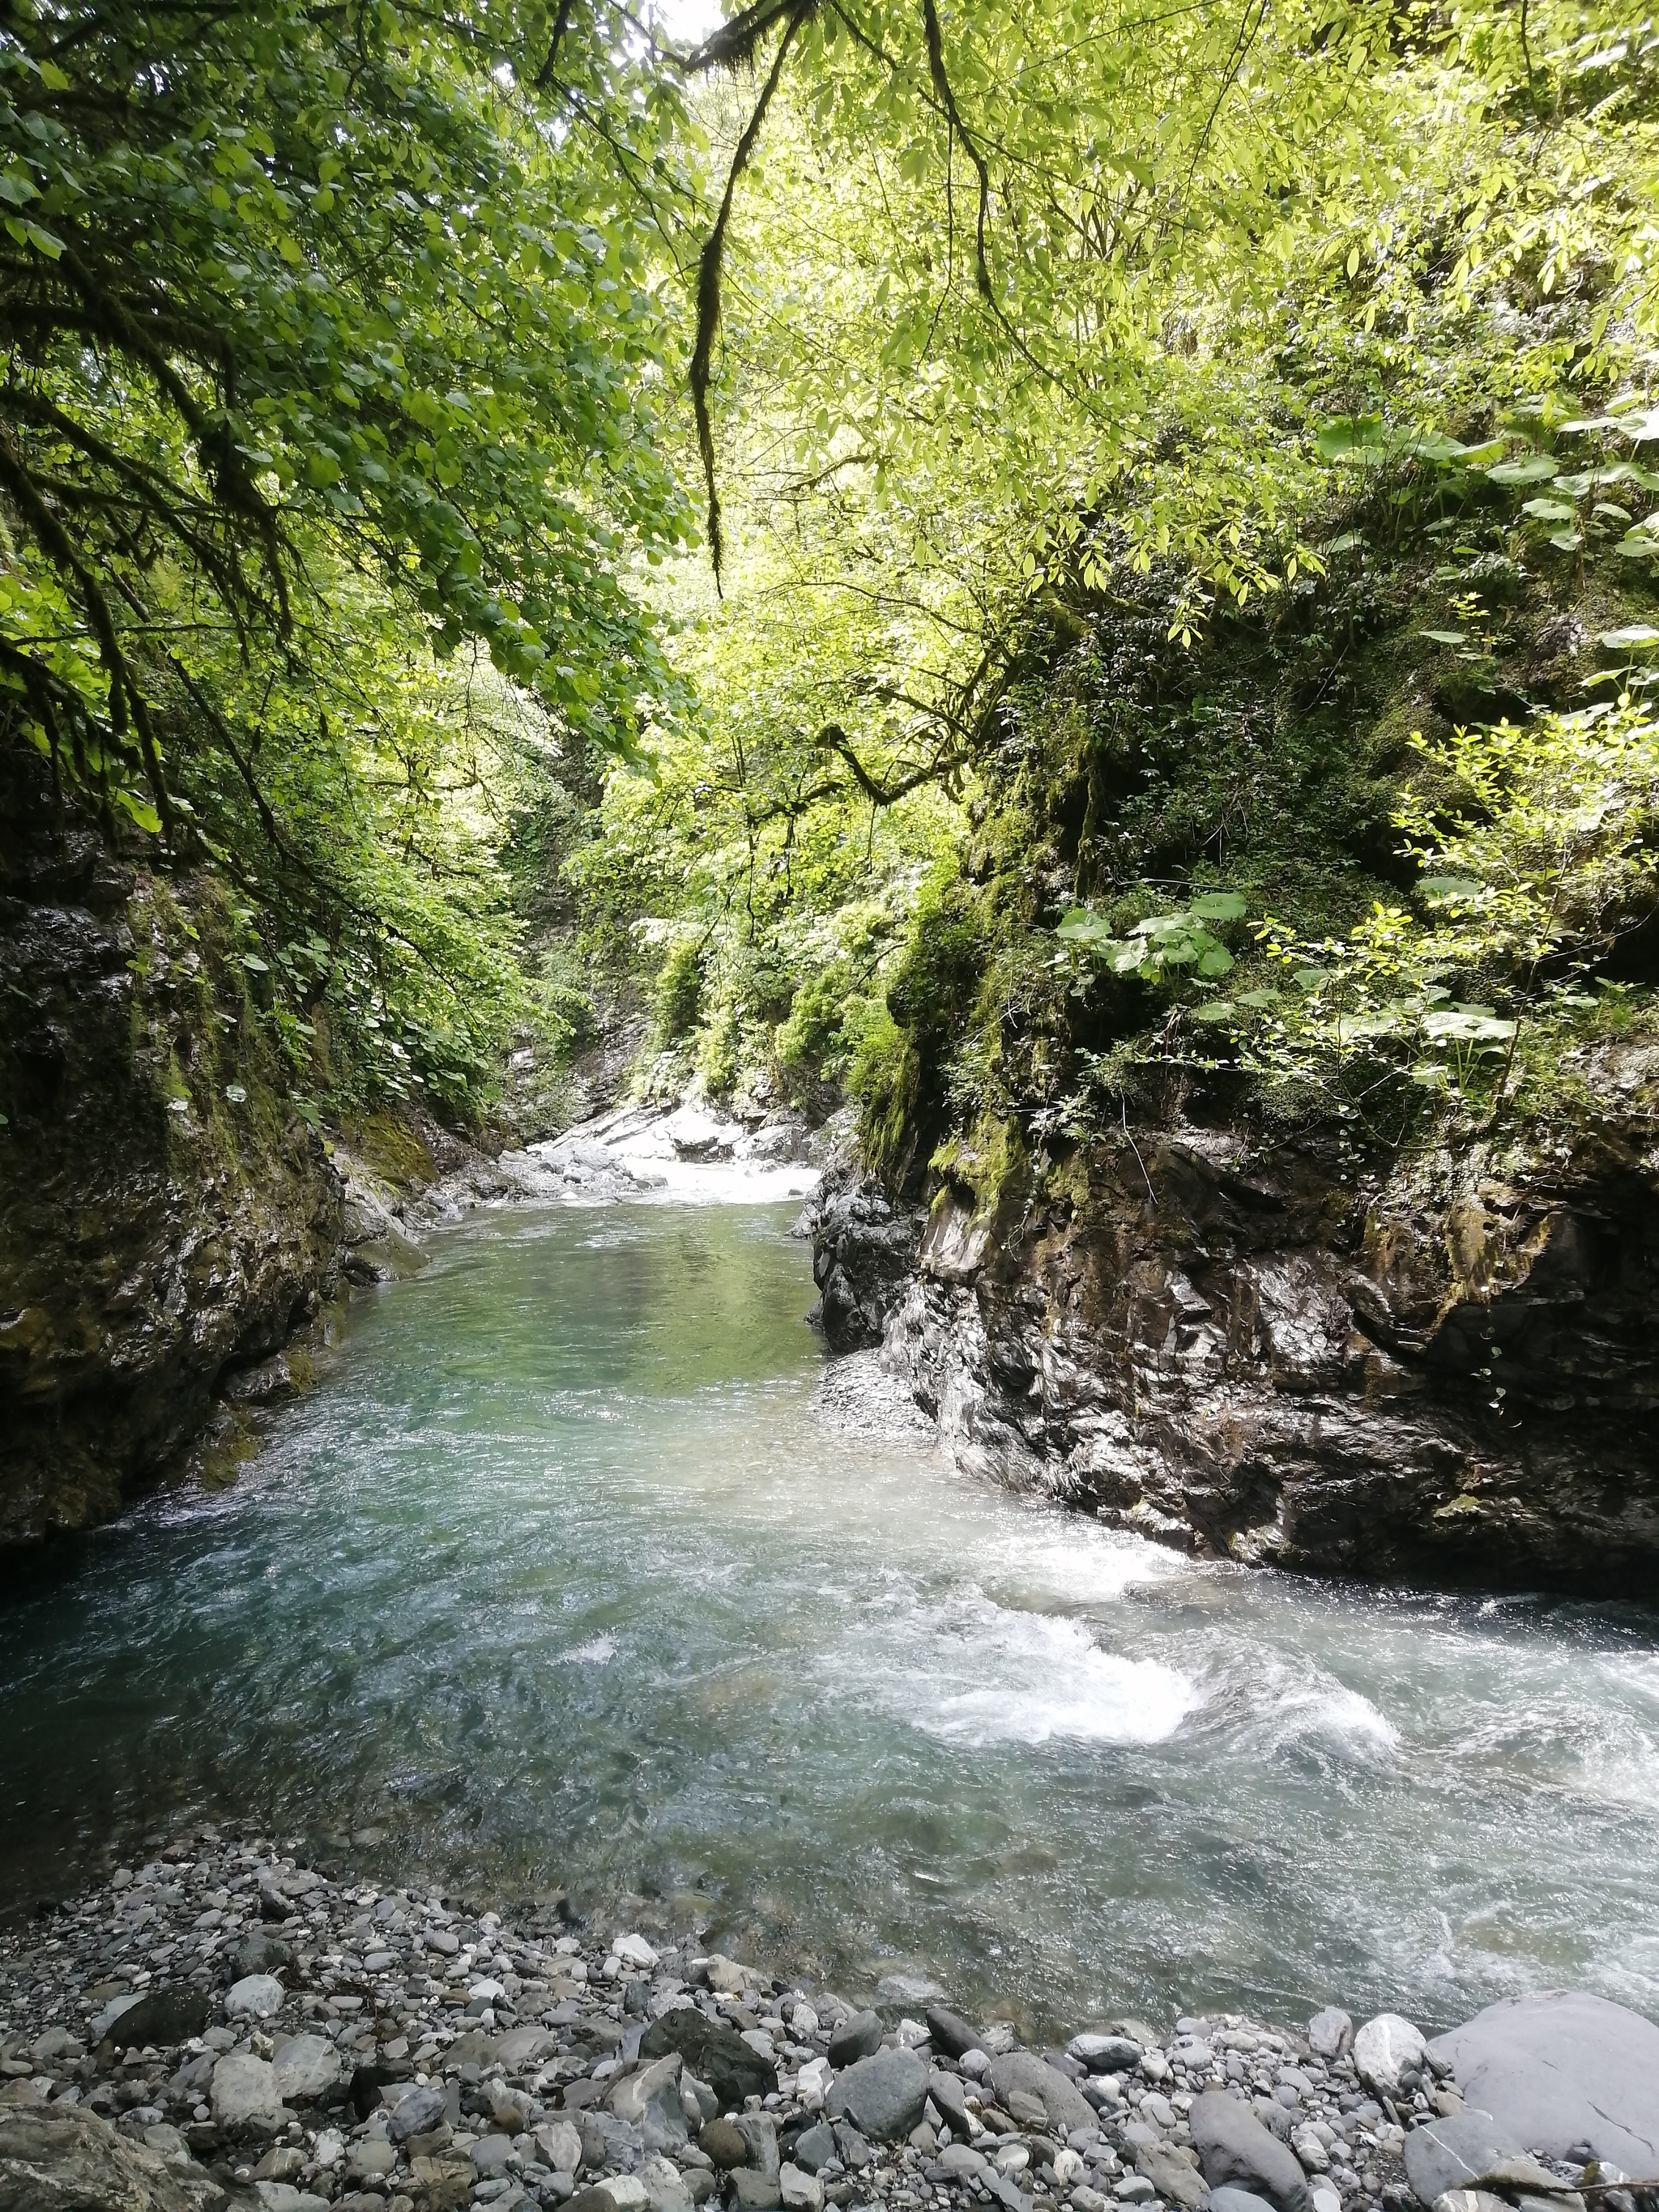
(863, 1249)
(1333, 1461)
(1385, 2049)
(1020, 2073)
(882, 2095)
(1234, 2149)
(1562, 2071)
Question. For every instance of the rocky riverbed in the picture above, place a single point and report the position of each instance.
(226, 2026)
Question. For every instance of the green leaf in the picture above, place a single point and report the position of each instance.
(1351, 437)
(1536, 468)
(1215, 962)
(1549, 510)
(1219, 906)
(1445, 636)
(1634, 637)
(1216, 1010)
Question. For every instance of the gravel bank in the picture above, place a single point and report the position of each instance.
(226, 2025)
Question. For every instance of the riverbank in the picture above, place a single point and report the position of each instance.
(225, 2025)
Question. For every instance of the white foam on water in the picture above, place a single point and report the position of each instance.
(1000, 1676)
(598, 1652)
(1279, 1702)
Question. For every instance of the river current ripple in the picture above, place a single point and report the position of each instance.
(584, 1569)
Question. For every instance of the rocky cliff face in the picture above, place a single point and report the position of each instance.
(166, 1220)
(1442, 1373)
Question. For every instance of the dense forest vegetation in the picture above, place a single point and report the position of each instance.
(1031, 565)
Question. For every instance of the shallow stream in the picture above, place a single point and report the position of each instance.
(584, 1569)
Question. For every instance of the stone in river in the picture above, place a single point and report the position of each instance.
(1104, 2054)
(951, 2033)
(1019, 2072)
(1562, 2071)
(256, 1996)
(858, 2037)
(715, 2055)
(815, 2148)
(163, 2017)
(559, 2145)
(882, 2095)
(722, 2141)
(305, 2069)
(244, 2091)
(1385, 2049)
(1175, 2181)
(1330, 2033)
(946, 2092)
(1234, 2148)
(416, 2112)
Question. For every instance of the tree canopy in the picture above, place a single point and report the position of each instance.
(367, 366)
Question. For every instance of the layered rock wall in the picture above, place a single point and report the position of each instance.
(165, 1218)
(1440, 1374)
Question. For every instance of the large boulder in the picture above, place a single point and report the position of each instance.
(1455, 2153)
(1022, 2073)
(1235, 2150)
(717, 2055)
(1561, 2070)
(882, 2095)
(58, 2160)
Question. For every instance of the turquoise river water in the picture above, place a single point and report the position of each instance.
(584, 1569)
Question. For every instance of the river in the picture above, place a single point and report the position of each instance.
(585, 1570)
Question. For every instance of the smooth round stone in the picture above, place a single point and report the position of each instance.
(306, 2068)
(1384, 2049)
(256, 1996)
